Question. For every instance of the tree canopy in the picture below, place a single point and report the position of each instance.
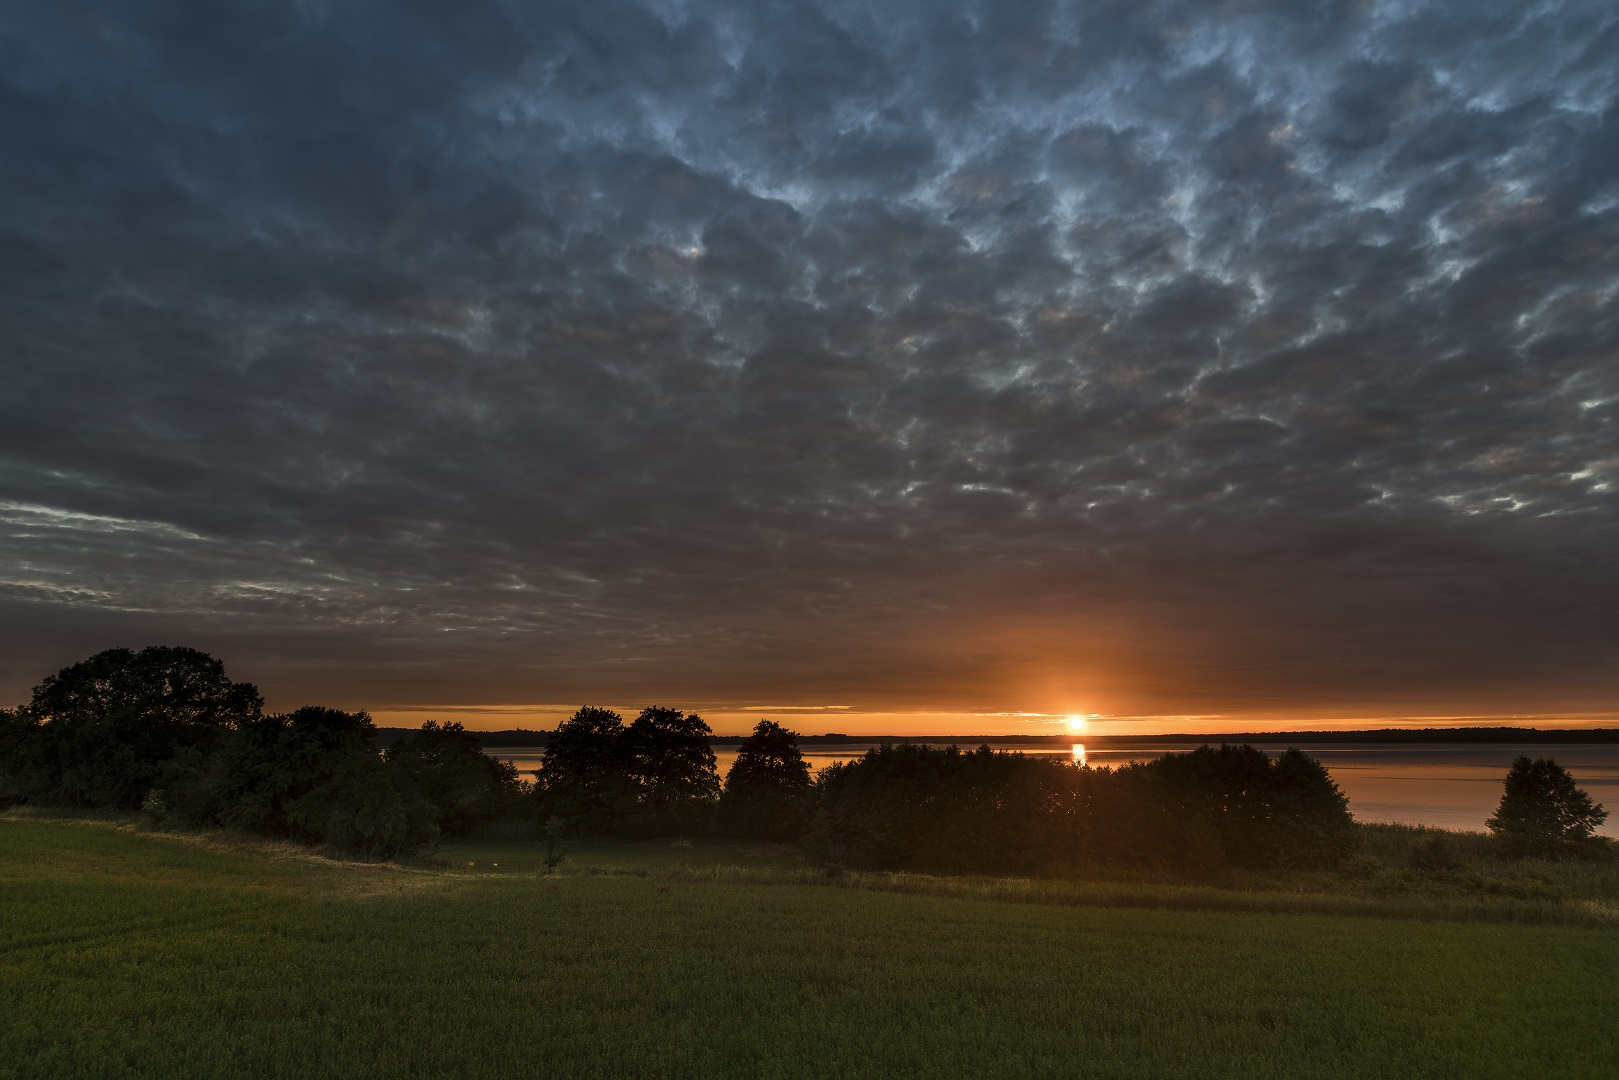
(912, 807)
(1542, 812)
(165, 730)
(767, 790)
(450, 769)
(107, 724)
(655, 776)
(672, 767)
(583, 775)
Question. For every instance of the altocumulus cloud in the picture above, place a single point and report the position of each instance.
(1141, 356)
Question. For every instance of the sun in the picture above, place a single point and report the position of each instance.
(1076, 723)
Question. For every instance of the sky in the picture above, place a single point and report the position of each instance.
(877, 366)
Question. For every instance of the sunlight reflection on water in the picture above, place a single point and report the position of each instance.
(1455, 786)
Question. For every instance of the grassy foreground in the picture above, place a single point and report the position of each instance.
(131, 954)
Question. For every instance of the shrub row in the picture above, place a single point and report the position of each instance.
(163, 730)
(949, 811)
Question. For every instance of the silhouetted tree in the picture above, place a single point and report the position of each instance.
(552, 832)
(920, 808)
(102, 730)
(448, 766)
(584, 774)
(311, 774)
(1235, 805)
(672, 769)
(767, 791)
(365, 806)
(1313, 825)
(911, 807)
(1542, 812)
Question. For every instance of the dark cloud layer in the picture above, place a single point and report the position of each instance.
(1131, 357)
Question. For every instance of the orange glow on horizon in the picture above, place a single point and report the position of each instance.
(730, 720)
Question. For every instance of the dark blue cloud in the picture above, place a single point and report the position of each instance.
(1260, 354)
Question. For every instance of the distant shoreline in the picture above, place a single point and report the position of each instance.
(512, 737)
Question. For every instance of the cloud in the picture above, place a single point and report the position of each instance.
(1107, 357)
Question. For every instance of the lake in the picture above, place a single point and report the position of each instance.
(1450, 785)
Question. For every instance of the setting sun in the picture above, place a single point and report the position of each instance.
(1076, 723)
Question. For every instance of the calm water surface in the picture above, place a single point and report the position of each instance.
(1452, 785)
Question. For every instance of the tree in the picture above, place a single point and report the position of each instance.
(941, 810)
(1233, 804)
(767, 792)
(450, 769)
(23, 758)
(552, 832)
(251, 776)
(583, 776)
(106, 726)
(312, 775)
(672, 768)
(913, 807)
(1312, 813)
(1542, 812)
(365, 807)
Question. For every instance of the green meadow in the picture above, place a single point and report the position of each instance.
(132, 953)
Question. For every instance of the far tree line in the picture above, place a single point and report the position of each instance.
(166, 732)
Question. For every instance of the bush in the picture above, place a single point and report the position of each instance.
(1435, 852)
(365, 807)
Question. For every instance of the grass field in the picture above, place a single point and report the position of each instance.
(131, 954)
